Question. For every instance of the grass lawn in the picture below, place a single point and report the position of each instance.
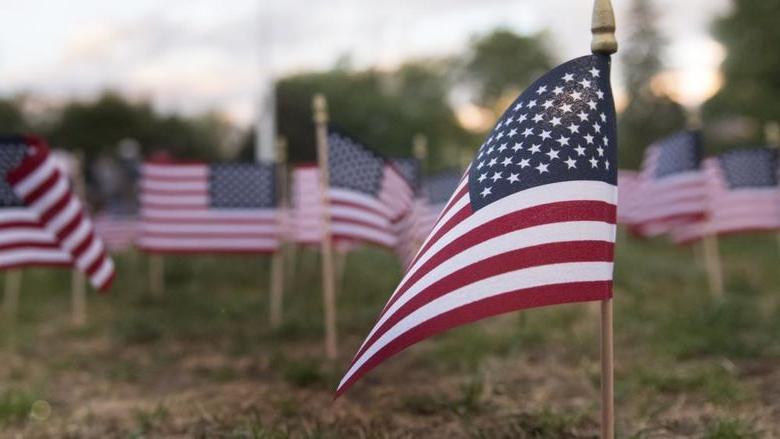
(201, 361)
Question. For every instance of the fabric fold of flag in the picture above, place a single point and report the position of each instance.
(208, 208)
(531, 224)
(48, 224)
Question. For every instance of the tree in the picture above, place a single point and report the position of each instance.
(752, 65)
(648, 115)
(12, 118)
(502, 63)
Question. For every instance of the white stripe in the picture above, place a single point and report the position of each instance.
(77, 236)
(152, 185)
(10, 236)
(554, 274)
(210, 215)
(103, 273)
(347, 212)
(216, 228)
(355, 197)
(518, 239)
(35, 178)
(17, 214)
(52, 196)
(363, 232)
(90, 255)
(177, 171)
(28, 255)
(175, 200)
(65, 216)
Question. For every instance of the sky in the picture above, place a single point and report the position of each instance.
(197, 55)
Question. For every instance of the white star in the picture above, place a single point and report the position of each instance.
(524, 163)
(485, 192)
(600, 94)
(498, 125)
(547, 104)
(522, 118)
(500, 135)
(496, 176)
(566, 108)
(589, 139)
(585, 83)
(507, 161)
(493, 162)
(555, 121)
(482, 178)
(600, 151)
(574, 128)
(592, 105)
(533, 150)
(508, 120)
(595, 72)
(606, 141)
(541, 89)
(568, 77)
(545, 135)
(603, 117)
(502, 148)
(517, 147)
(593, 162)
(576, 95)
(480, 165)
(580, 150)
(532, 104)
(542, 168)
(513, 132)
(538, 118)
(583, 116)
(606, 164)
(558, 90)
(563, 141)
(490, 150)
(518, 106)
(597, 127)
(571, 163)
(528, 132)
(553, 154)
(514, 178)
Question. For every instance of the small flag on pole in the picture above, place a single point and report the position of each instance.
(41, 221)
(532, 224)
(672, 186)
(208, 208)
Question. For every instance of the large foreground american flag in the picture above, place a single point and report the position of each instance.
(672, 189)
(533, 223)
(742, 195)
(208, 208)
(41, 221)
(367, 193)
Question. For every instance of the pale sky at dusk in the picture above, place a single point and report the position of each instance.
(193, 55)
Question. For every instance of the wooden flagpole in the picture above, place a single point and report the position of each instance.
(320, 109)
(277, 263)
(420, 152)
(13, 287)
(709, 241)
(78, 283)
(604, 43)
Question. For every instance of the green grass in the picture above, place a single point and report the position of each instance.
(675, 342)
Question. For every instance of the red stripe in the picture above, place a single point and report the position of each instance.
(56, 208)
(533, 216)
(207, 234)
(43, 188)
(29, 244)
(491, 306)
(546, 254)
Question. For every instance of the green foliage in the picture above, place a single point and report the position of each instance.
(502, 63)
(12, 119)
(15, 404)
(752, 65)
(731, 429)
(648, 115)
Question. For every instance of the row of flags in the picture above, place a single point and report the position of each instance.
(686, 197)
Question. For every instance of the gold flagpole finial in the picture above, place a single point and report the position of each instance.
(603, 28)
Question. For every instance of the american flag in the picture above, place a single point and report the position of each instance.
(367, 194)
(672, 185)
(117, 231)
(208, 208)
(305, 219)
(533, 224)
(41, 221)
(742, 195)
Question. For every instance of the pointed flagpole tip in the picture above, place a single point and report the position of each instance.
(603, 28)
(320, 107)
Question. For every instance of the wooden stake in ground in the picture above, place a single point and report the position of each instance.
(78, 283)
(277, 263)
(709, 242)
(13, 287)
(604, 43)
(420, 152)
(772, 136)
(156, 274)
(320, 108)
